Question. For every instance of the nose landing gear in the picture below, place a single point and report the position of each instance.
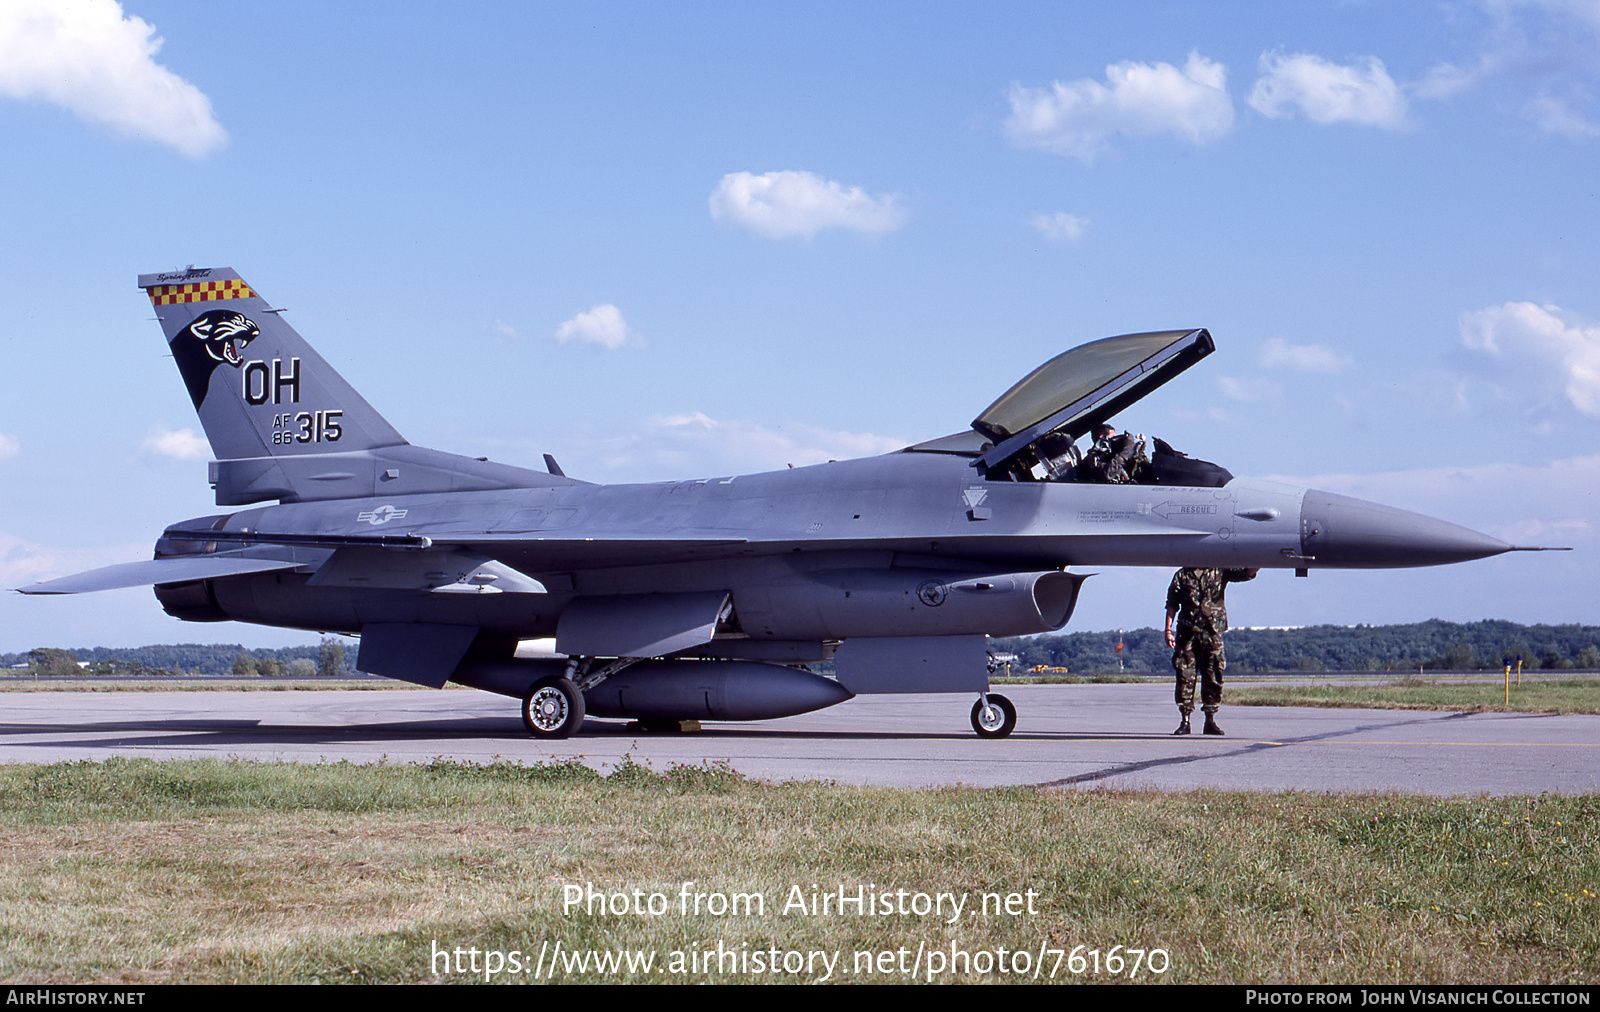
(993, 716)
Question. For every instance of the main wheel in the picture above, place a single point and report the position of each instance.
(553, 708)
(993, 716)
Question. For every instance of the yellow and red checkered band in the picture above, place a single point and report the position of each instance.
(199, 291)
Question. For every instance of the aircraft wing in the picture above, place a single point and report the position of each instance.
(156, 571)
(541, 552)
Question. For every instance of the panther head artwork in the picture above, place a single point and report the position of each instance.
(224, 333)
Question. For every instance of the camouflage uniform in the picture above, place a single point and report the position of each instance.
(1196, 595)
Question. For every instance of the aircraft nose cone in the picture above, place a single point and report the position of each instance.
(1341, 532)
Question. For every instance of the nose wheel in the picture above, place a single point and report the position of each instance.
(993, 716)
(553, 708)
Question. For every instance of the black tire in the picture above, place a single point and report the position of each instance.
(553, 708)
(993, 716)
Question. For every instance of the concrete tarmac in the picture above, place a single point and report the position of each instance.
(1069, 736)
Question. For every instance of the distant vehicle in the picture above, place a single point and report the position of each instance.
(701, 599)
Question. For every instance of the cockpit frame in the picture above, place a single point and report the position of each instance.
(1100, 378)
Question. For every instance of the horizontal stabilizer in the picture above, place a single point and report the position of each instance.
(157, 571)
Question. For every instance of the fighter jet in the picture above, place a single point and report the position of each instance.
(703, 599)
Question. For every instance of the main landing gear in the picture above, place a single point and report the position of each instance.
(553, 708)
(993, 716)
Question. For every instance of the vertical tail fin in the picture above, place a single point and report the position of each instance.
(281, 422)
(259, 388)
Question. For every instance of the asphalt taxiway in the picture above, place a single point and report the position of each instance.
(1072, 736)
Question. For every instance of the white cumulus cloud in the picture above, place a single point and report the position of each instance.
(1555, 116)
(90, 58)
(778, 205)
(1361, 92)
(1527, 350)
(1526, 39)
(1249, 390)
(1061, 226)
(1554, 44)
(1076, 118)
(1446, 80)
(1276, 353)
(9, 445)
(183, 444)
(602, 325)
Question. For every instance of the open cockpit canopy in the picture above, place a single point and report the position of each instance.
(1079, 389)
(1071, 394)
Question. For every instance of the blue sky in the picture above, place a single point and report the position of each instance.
(667, 241)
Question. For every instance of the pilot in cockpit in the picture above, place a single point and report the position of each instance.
(1110, 460)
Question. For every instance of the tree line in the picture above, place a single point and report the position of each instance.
(328, 659)
(1432, 645)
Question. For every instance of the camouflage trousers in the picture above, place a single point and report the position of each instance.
(1198, 655)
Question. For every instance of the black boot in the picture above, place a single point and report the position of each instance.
(1183, 727)
(1211, 725)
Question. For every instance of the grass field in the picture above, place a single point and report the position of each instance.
(134, 871)
(1580, 695)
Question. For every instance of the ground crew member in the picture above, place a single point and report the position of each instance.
(1195, 599)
